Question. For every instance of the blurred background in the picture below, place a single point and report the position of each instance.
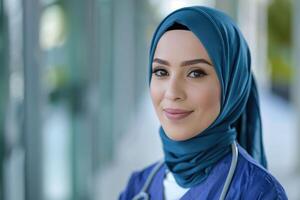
(75, 114)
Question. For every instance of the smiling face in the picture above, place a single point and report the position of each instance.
(184, 87)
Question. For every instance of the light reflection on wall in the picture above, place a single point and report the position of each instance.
(167, 6)
(52, 32)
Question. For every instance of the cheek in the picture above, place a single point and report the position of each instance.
(207, 98)
(156, 93)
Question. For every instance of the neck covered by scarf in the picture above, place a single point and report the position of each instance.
(191, 160)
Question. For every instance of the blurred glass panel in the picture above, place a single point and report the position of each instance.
(4, 91)
(57, 123)
(280, 46)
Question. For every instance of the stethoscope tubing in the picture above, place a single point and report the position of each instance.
(232, 168)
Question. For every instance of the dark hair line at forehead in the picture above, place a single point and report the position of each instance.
(183, 63)
(177, 26)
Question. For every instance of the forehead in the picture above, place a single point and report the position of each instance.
(180, 43)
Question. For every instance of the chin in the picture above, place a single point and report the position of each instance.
(179, 136)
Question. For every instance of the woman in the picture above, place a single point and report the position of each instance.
(205, 97)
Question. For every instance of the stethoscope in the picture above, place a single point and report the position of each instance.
(143, 195)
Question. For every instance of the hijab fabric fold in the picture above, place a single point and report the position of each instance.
(191, 160)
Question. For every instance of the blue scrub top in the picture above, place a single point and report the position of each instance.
(251, 181)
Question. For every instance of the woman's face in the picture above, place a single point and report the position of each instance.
(184, 88)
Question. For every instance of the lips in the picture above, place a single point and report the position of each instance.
(176, 114)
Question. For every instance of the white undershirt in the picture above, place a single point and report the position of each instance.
(172, 191)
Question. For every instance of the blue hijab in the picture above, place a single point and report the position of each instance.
(191, 160)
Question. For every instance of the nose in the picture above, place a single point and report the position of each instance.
(175, 90)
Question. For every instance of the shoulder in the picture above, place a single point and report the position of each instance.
(136, 181)
(259, 183)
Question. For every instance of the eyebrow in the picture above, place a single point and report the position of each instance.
(184, 63)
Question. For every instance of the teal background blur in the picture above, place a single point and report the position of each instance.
(75, 113)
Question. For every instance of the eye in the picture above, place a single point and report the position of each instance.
(160, 72)
(197, 73)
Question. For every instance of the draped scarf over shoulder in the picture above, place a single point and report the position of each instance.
(191, 160)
